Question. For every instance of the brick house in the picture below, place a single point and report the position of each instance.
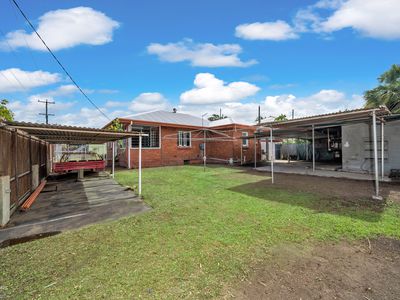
(177, 139)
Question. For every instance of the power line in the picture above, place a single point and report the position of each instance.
(58, 61)
(23, 35)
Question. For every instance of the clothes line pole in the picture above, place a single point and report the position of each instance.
(140, 165)
(255, 152)
(272, 154)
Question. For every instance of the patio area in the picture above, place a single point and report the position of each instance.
(66, 203)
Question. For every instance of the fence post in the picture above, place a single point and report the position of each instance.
(4, 200)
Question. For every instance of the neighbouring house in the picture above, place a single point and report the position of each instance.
(176, 139)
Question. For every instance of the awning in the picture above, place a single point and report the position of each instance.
(62, 134)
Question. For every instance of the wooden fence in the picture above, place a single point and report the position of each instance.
(19, 152)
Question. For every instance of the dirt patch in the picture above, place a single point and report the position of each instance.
(334, 194)
(329, 186)
(359, 270)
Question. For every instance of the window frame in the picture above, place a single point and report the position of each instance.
(180, 138)
(245, 142)
(146, 148)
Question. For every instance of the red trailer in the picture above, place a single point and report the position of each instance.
(74, 161)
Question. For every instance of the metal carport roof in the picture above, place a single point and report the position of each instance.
(62, 134)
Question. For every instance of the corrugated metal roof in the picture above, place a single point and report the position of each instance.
(335, 116)
(62, 134)
(166, 117)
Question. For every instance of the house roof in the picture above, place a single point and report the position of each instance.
(166, 117)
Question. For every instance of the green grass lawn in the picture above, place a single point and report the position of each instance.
(205, 231)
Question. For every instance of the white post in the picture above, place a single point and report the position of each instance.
(375, 142)
(272, 154)
(241, 152)
(382, 149)
(205, 154)
(255, 152)
(129, 146)
(140, 165)
(313, 148)
(204, 142)
(113, 160)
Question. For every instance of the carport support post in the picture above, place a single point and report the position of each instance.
(272, 154)
(113, 159)
(375, 142)
(313, 148)
(382, 148)
(140, 165)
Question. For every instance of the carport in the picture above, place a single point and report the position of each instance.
(12, 172)
(328, 128)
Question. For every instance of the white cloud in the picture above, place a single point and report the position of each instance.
(274, 31)
(14, 79)
(65, 28)
(378, 19)
(149, 101)
(200, 55)
(209, 89)
(373, 18)
(324, 101)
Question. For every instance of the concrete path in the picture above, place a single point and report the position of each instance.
(66, 203)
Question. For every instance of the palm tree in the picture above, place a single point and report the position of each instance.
(387, 93)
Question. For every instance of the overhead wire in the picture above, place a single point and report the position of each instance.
(57, 60)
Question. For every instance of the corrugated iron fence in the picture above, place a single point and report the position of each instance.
(18, 154)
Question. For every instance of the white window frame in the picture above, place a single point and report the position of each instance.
(180, 139)
(245, 142)
(150, 148)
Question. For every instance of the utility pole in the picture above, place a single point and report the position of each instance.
(47, 102)
(292, 114)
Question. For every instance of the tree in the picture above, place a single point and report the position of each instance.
(259, 119)
(281, 117)
(215, 117)
(387, 93)
(5, 112)
(116, 125)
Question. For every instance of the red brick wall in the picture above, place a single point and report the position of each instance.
(224, 150)
(171, 154)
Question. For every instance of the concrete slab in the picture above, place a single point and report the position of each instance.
(66, 203)
(326, 170)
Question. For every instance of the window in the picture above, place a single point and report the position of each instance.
(150, 141)
(184, 139)
(245, 142)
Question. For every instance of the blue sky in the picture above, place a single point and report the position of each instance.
(134, 56)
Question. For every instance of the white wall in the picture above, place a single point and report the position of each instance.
(355, 154)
